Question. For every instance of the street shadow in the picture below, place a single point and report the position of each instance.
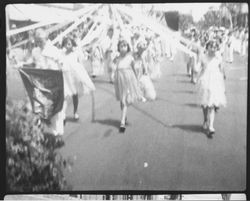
(71, 119)
(180, 75)
(110, 122)
(165, 124)
(193, 105)
(190, 128)
(165, 100)
(107, 133)
(184, 91)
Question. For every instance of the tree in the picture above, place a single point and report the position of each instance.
(233, 11)
(32, 160)
(185, 21)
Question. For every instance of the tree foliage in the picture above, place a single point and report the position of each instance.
(185, 21)
(33, 162)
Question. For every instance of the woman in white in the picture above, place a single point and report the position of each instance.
(76, 79)
(211, 87)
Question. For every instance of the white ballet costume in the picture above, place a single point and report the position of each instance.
(211, 86)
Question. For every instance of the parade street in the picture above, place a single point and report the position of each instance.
(164, 146)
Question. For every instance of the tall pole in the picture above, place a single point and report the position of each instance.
(8, 26)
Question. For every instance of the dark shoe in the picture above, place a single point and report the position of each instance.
(59, 142)
(216, 109)
(209, 136)
(122, 129)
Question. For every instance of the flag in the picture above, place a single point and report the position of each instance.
(172, 19)
(45, 90)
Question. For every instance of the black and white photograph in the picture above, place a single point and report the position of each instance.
(79, 197)
(126, 97)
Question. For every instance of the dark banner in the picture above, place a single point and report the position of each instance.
(45, 90)
(172, 19)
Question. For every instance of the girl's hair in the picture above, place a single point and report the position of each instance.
(212, 43)
(65, 41)
(123, 42)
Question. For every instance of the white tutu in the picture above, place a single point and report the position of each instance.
(147, 87)
(76, 78)
(211, 87)
(156, 71)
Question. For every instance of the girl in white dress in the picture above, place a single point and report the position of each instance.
(97, 61)
(126, 84)
(76, 79)
(211, 87)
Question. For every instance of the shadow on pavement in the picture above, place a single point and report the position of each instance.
(165, 100)
(165, 124)
(193, 105)
(180, 75)
(71, 119)
(110, 122)
(184, 91)
(190, 128)
(107, 133)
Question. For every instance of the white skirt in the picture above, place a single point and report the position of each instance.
(211, 88)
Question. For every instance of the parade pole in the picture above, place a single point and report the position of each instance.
(8, 27)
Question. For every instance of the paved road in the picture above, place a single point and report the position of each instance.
(164, 147)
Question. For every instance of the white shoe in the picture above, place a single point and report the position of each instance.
(143, 99)
(76, 116)
(211, 130)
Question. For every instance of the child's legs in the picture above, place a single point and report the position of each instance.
(205, 111)
(75, 102)
(124, 108)
(211, 117)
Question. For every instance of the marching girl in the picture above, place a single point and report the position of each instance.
(158, 57)
(76, 79)
(141, 69)
(211, 87)
(194, 58)
(126, 85)
(150, 54)
(97, 61)
(140, 64)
